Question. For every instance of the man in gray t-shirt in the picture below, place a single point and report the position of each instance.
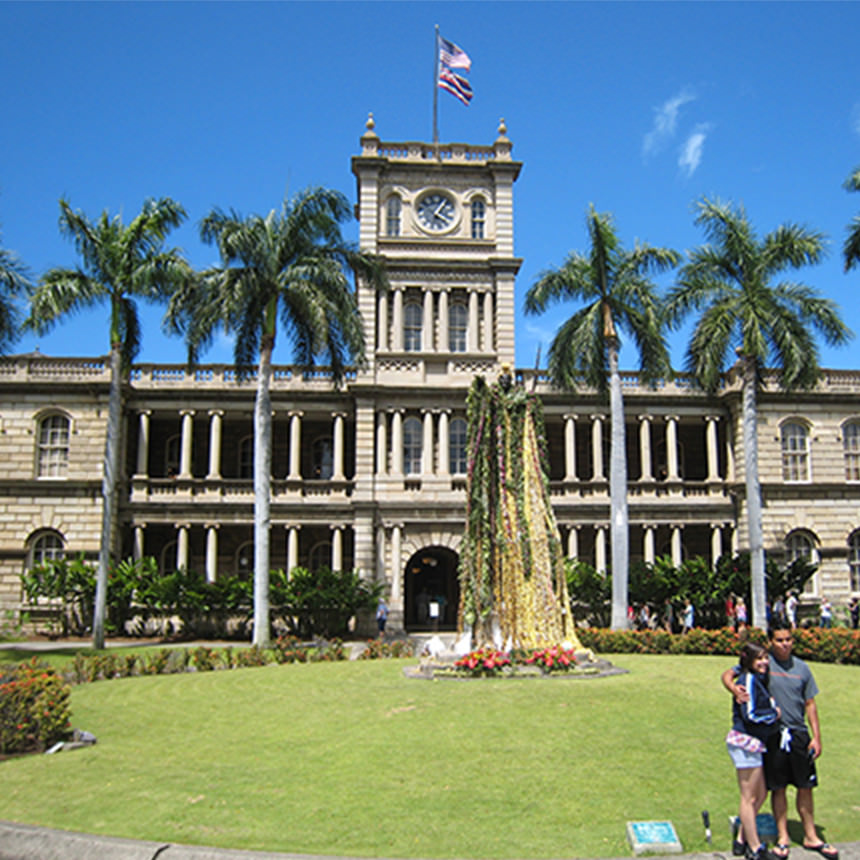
(791, 756)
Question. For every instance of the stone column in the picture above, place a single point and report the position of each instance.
(337, 547)
(677, 554)
(444, 465)
(711, 442)
(570, 447)
(716, 542)
(648, 552)
(472, 333)
(137, 552)
(427, 322)
(381, 443)
(397, 326)
(427, 443)
(187, 436)
(382, 334)
(487, 345)
(143, 443)
(295, 472)
(216, 416)
(397, 442)
(647, 473)
(396, 539)
(182, 546)
(211, 551)
(600, 549)
(444, 344)
(338, 447)
(672, 448)
(730, 457)
(573, 542)
(597, 447)
(380, 554)
(292, 548)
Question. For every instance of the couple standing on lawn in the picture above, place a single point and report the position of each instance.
(771, 746)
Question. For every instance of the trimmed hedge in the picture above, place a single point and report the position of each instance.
(823, 645)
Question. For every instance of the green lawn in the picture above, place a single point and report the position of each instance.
(353, 758)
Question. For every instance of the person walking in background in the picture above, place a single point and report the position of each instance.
(854, 612)
(792, 752)
(791, 610)
(381, 617)
(689, 616)
(741, 614)
(826, 613)
(753, 722)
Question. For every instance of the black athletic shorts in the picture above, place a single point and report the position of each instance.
(790, 767)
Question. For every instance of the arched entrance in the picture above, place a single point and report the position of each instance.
(431, 578)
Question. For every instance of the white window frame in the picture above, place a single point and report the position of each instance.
(54, 435)
(413, 443)
(794, 445)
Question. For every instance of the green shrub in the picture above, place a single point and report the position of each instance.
(253, 656)
(377, 649)
(204, 659)
(289, 649)
(34, 707)
(329, 652)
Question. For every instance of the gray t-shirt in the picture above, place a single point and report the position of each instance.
(791, 684)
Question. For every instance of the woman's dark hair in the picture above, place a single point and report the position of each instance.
(749, 654)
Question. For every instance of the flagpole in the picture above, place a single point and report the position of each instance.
(436, 94)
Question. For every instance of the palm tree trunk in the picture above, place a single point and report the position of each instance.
(753, 490)
(262, 491)
(618, 494)
(109, 485)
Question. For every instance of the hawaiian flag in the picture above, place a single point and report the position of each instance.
(451, 57)
(455, 84)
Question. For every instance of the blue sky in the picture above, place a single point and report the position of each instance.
(639, 108)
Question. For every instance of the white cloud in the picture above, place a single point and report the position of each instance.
(665, 120)
(691, 151)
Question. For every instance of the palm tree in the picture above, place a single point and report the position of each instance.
(119, 264)
(851, 248)
(288, 264)
(618, 294)
(14, 284)
(748, 317)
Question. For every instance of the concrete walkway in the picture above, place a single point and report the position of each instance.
(23, 842)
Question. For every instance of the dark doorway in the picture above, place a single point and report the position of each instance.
(432, 590)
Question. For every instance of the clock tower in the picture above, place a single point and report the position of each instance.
(441, 216)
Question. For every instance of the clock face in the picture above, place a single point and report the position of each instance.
(436, 211)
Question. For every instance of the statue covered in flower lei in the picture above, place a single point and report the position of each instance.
(513, 590)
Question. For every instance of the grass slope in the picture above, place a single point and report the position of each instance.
(353, 758)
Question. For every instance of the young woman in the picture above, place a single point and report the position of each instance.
(752, 723)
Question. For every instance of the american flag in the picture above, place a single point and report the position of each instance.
(455, 84)
(453, 55)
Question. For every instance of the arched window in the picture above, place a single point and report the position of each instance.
(801, 544)
(53, 453)
(412, 325)
(457, 446)
(851, 449)
(392, 216)
(45, 546)
(458, 324)
(854, 560)
(319, 556)
(244, 561)
(795, 451)
(323, 458)
(168, 558)
(246, 458)
(412, 432)
(478, 218)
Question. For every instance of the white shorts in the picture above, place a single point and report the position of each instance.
(744, 758)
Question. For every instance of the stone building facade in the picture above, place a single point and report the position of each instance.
(372, 475)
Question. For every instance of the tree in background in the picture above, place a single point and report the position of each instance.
(851, 248)
(748, 320)
(119, 263)
(14, 284)
(288, 266)
(614, 285)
